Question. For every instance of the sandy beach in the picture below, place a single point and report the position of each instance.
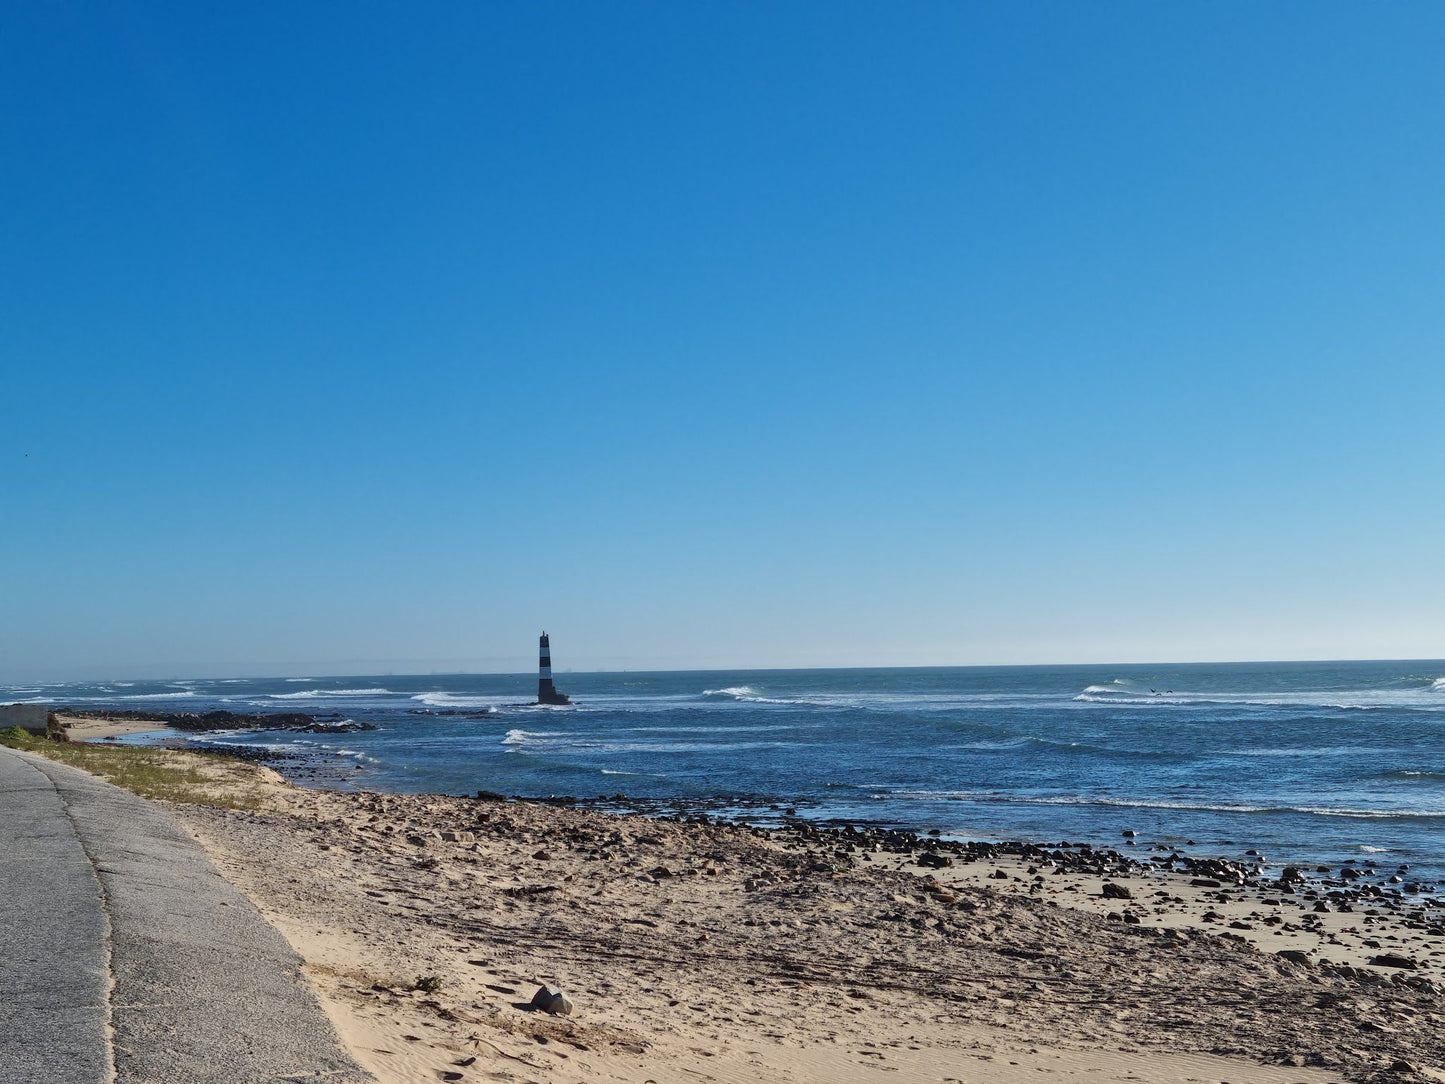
(95, 727)
(695, 951)
(723, 543)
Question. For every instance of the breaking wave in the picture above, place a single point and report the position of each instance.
(452, 700)
(523, 737)
(319, 694)
(746, 694)
(107, 699)
(1324, 699)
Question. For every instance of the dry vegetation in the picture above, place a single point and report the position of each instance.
(164, 774)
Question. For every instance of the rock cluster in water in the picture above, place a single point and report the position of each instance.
(206, 722)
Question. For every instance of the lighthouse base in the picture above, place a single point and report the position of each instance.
(547, 692)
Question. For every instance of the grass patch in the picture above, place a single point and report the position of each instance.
(166, 774)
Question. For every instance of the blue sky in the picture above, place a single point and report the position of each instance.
(363, 337)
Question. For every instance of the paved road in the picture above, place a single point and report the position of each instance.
(123, 951)
(54, 971)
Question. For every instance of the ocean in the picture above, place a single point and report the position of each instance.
(1317, 763)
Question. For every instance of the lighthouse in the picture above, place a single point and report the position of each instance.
(547, 692)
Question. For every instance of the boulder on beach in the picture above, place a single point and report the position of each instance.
(552, 1001)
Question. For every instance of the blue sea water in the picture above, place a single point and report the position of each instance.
(1308, 762)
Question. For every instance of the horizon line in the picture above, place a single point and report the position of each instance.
(734, 670)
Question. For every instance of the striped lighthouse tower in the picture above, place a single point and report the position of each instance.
(547, 692)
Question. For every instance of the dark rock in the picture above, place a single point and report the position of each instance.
(1393, 959)
(201, 722)
(552, 1001)
(1116, 892)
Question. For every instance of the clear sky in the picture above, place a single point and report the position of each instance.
(357, 336)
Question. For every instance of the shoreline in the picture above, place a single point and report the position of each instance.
(693, 948)
(1232, 884)
(1306, 844)
(1354, 882)
(784, 956)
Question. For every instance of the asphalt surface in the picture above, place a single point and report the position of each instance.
(54, 974)
(124, 952)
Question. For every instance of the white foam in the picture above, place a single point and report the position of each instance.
(1337, 699)
(754, 729)
(321, 694)
(748, 695)
(454, 700)
(108, 699)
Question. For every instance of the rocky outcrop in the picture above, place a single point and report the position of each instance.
(206, 722)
